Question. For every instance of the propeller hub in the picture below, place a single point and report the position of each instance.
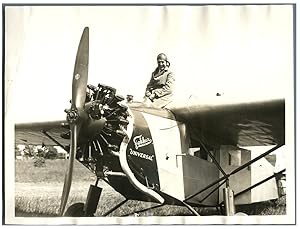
(72, 115)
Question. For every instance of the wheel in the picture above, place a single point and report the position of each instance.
(240, 214)
(222, 210)
(75, 210)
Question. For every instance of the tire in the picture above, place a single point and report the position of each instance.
(240, 214)
(75, 210)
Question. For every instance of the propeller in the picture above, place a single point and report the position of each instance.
(76, 116)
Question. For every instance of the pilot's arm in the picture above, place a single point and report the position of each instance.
(149, 87)
(167, 88)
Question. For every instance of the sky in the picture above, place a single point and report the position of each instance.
(238, 51)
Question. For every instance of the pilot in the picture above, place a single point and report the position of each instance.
(159, 90)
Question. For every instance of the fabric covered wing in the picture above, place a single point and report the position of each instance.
(33, 133)
(242, 124)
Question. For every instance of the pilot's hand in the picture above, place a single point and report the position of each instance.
(152, 96)
(148, 94)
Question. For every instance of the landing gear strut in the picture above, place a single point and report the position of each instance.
(92, 200)
(89, 208)
(229, 201)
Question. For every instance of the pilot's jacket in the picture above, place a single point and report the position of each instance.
(161, 84)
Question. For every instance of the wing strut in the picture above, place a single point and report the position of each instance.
(214, 160)
(226, 177)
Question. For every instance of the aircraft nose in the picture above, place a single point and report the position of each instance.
(106, 125)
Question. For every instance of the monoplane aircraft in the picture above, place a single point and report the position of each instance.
(186, 154)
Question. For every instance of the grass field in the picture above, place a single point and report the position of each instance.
(38, 192)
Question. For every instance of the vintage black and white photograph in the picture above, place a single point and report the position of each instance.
(149, 114)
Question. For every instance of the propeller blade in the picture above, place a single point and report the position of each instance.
(80, 75)
(79, 85)
(68, 177)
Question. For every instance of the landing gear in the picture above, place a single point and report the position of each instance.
(229, 201)
(92, 200)
(75, 210)
(89, 208)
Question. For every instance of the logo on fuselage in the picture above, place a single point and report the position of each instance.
(141, 155)
(140, 141)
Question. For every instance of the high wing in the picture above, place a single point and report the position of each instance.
(35, 133)
(240, 123)
(251, 123)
